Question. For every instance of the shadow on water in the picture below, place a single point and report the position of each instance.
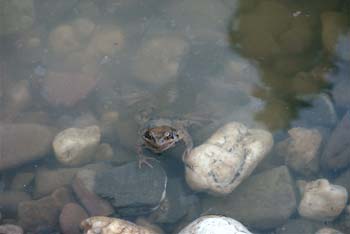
(289, 41)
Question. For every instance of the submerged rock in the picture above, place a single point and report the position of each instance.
(43, 212)
(264, 201)
(299, 226)
(63, 40)
(11, 229)
(176, 204)
(83, 187)
(47, 181)
(22, 143)
(228, 157)
(328, 231)
(17, 16)
(133, 190)
(68, 88)
(215, 224)
(106, 225)
(336, 152)
(9, 201)
(158, 61)
(75, 146)
(301, 149)
(322, 201)
(70, 218)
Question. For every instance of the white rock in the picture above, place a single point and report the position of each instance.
(107, 225)
(74, 146)
(229, 156)
(215, 224)
(158, 60)
(322, 201)
(328, 231)
(301, 150)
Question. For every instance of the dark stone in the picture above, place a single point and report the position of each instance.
(264, 201)
(320, 112)
(343, 180)
(336, 154)
(177, 203)
(132, 190)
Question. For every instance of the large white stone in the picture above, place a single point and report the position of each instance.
(215, 224)
(74, 146)
(328, 231)
(107, 225)
(322, 201)
(229, 156)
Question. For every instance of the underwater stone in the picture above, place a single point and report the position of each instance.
(132, 190)
(74, 146)
(215, 224)
(107, 225)
(228, 157)
(322, 201)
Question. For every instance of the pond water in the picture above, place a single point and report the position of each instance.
(278, 65)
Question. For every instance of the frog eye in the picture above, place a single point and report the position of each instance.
(166, 134)
(148, 136)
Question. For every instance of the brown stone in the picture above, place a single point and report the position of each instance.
(9, 201)
(95, 205)
(43, 212)
(71, 216)
(68, 88)
(21, 181)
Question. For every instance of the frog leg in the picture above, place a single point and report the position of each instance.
(142, 158)
(187, 139)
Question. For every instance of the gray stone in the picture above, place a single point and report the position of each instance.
(341, 93)
(22, 143)
(300, 226)
(133, 190)
(264, 201)
(321, 112)
(336, 152)
(177, 203)
(343, 180)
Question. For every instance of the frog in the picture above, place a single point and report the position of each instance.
(159, 135)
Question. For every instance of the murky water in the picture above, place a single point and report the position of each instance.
(267, 64)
